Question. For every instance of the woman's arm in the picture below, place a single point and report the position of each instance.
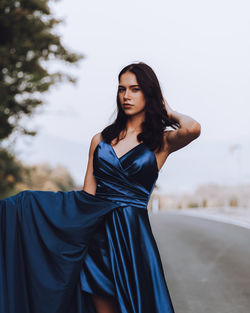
(90, 181)
(189, 130)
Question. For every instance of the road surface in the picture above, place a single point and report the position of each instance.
(206, 263)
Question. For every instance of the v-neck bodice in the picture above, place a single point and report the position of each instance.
(128, 178)
(125, 154)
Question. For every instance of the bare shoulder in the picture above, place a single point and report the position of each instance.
(97, 138)
(95, 141)
(89, 181)
(168, 148)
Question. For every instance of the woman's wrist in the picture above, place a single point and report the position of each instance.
(174, 115)
(168, 109)
(181, 119)
(171, 114)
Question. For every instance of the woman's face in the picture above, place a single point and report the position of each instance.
(130, 93)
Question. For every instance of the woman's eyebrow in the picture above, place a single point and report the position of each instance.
(130, 86)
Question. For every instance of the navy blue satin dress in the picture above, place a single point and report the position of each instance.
(59, 248)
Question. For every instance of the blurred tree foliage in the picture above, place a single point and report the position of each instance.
(10, 172)
(44, 177)
(38, 177)
(28, 44)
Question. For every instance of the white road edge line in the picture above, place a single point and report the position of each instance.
(213, 217)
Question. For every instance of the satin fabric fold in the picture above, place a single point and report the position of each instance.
(124, 260)
(44, 238)
(58, 248)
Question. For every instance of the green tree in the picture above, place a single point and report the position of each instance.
(10, 173)
(28, 43)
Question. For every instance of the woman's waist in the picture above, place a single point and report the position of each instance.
(122, 196)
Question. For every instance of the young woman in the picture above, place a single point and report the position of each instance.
(137, 144)
(93, 250)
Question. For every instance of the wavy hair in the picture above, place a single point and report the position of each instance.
(156, 117)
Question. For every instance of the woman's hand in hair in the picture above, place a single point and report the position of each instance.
(168, 109)
(170, 113)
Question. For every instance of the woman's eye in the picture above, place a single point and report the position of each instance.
(134, 89)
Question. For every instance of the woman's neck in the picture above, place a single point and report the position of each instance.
(134, 124)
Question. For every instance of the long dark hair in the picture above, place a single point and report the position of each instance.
(156, 117)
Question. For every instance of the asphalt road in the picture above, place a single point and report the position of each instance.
(206, 263)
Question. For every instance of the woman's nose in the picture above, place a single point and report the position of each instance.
(126, 94)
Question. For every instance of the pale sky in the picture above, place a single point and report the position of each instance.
(199, 51)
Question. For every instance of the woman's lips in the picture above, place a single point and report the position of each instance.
(126, 105)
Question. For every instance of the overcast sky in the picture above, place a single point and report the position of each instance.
(200, 53)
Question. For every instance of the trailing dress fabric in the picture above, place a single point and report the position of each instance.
(59, 248)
